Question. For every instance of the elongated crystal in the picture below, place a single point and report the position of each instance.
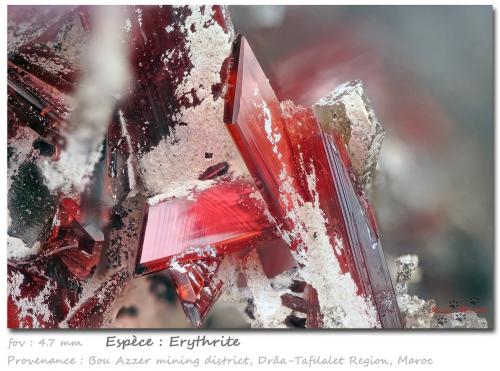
(294, 163)
(212, 222)
(198, 287)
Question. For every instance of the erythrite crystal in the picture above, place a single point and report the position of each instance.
(211, 222)
(275, 256)
(362, 235)
(53, 52)
(198, 287)
(254, 119)
(91, 310)
(307, 304)
(60, 108)
(43, 66)
(36, 299)
(214, 171)
(120, 163)
(302, 176)
(174, 107)
(75, 239)
(86, 152)
(37, 104)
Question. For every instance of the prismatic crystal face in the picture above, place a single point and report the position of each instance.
(209, 223)
(190, 165)
(305, 176)
(97, 95)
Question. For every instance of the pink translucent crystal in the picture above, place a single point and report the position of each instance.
(286, 143)
(37, 96)
(212, 222)
(198, 287)
(251, 106)
(188, 235)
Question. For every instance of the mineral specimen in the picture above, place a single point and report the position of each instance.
(207, 223)
(304, 174)
(67, 71)
(198, 287)
(177, 58)
(167, 150)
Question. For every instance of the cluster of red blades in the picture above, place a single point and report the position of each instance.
(280, 143)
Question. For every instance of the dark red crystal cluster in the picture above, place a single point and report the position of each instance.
(162, 194)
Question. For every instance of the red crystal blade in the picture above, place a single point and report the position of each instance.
(221, 219)
(292, 163)
(362, 236)
(198, 287)
(75, 240)
(91, 312)
(253, 115)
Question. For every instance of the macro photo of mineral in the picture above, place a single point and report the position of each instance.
(247, 167)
